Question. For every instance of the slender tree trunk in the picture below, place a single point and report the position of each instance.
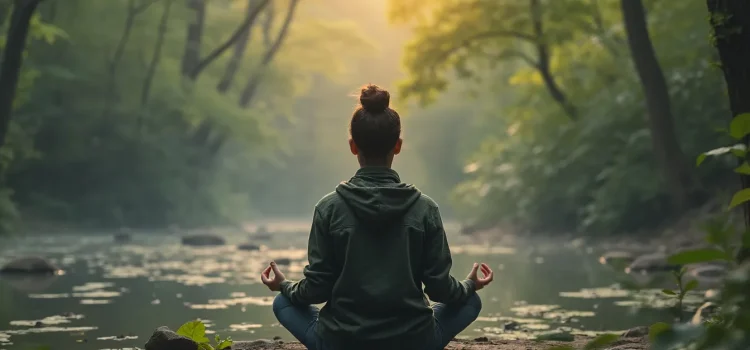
(663, 135)
(239, 53)
(114, 63)
(192, 54)
(730, 22)
(156, 57)
(543, 63)
(251, 87)
(268, 21)
(10, 68)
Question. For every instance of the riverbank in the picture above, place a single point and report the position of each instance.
(681, 233)
(477, 344)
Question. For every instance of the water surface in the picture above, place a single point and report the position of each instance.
(113, 295)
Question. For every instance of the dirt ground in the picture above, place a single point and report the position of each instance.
(578, 343)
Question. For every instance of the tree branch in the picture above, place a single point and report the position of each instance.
(492, 34)
(252, 84)
(238, 33)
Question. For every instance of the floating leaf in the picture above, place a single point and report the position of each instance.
(697, 256)
(740, 197)
(740, 126)
(194, 330)
(658, 328)
(601, 341)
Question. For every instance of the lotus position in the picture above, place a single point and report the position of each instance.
(374, 243)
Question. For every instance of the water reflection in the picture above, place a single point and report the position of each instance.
(115, 295)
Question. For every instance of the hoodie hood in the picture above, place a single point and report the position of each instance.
(377, 194)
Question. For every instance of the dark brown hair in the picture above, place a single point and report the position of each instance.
(375, 127)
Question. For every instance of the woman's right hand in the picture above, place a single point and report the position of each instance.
(487, 273)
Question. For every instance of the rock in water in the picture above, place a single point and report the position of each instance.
(123, 237)
(29, 265)
(636, 332)
(205, 240)
(650, 263)
(165, 339)
(616, 257)
(248, 247)
(708, 272)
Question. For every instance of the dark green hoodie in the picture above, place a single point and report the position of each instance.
(374, 242)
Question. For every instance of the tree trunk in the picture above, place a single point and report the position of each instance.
(251, 87)
(239, 53)
(663, 135)
(10, 69)
(543, 63)
(730, 22)
(155, 58)
(192, 55)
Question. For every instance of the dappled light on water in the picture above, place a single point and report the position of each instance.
(154, 281)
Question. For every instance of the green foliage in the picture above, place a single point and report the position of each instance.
(196, 331)
(730, 328)
(698, 256)
(534, 168)
(97, 148)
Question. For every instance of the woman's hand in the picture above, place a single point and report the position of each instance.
(483, 281)
(274, 284)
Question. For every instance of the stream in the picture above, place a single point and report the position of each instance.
(113, 295)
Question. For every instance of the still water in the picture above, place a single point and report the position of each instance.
(113, 295)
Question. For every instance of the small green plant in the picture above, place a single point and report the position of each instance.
(196, 331)
(682, 290)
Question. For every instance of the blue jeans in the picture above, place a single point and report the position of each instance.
(449, 320)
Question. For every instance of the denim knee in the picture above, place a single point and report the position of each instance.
(280, 302)
(476, 303)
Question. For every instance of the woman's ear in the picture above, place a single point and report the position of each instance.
(353, 147)
(397, 147)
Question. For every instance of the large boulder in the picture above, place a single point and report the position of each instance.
(165, 339)
(203, 240)
(29, 265)
(29, 283)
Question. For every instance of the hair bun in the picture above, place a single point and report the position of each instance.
(374, 99)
